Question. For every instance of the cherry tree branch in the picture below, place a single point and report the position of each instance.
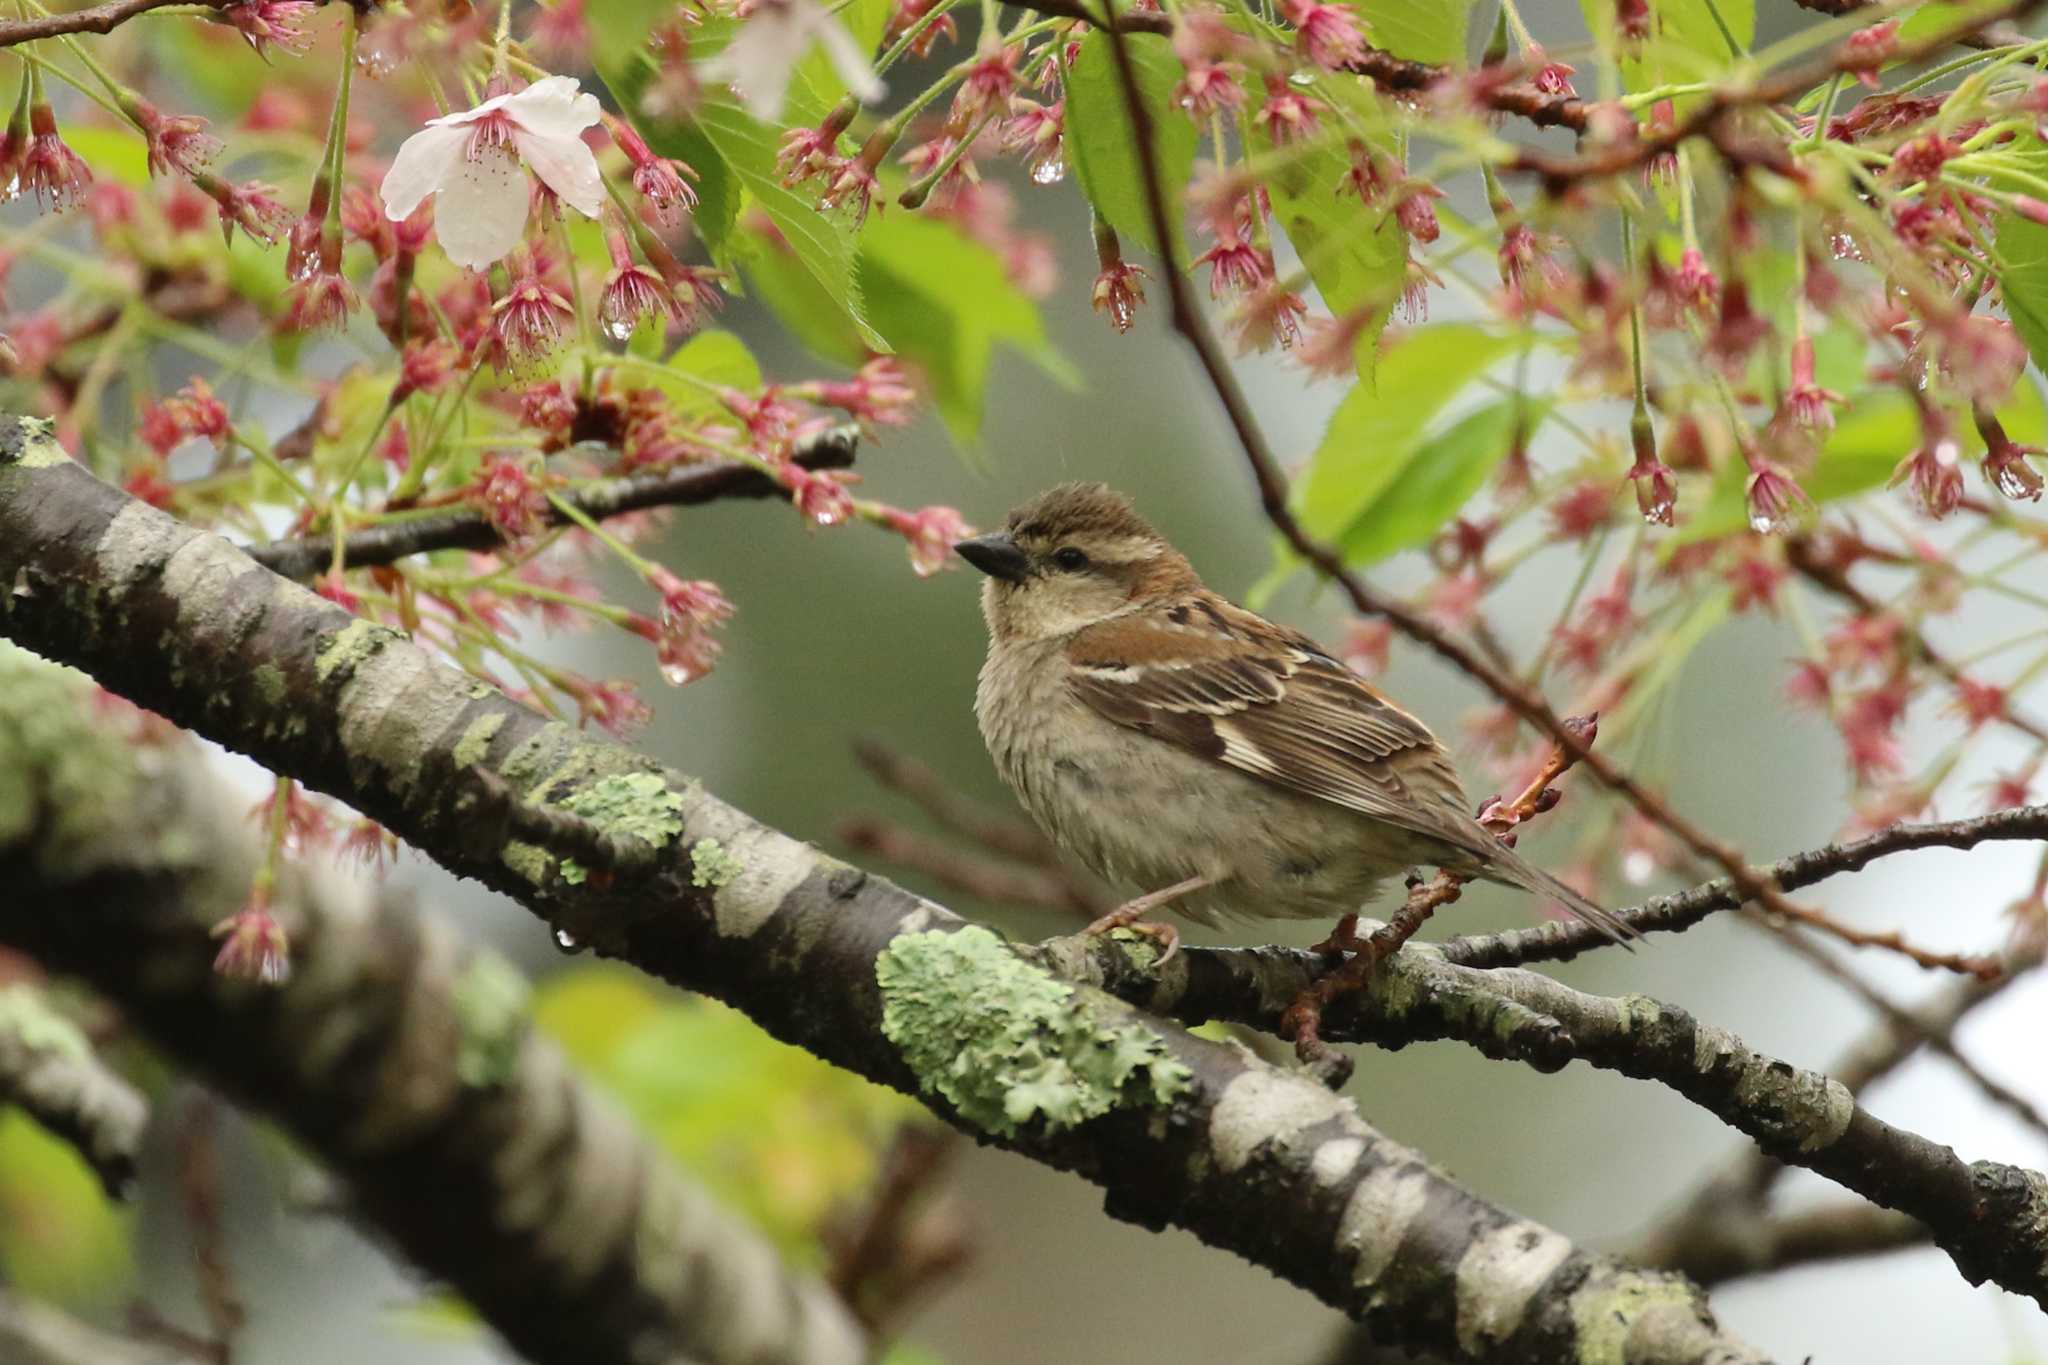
(467, 528)
(1177, 1129)
(1559, 941)
(48, 1069)
(1561, 173)
(1799, 1116)
(98, 19)
(396, 1053)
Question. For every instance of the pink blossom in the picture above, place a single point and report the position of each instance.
(254, 946)
(50, 170)
(1117, 292)
(662, 181)
(990, 81)
(527, 323)
(1807, 404)
(1287, 114)
(1935, 472)
(1656, 489)
(1775, 501)
(177, 142)
(819, 496)
(931, 532)
(1330, 35)
(510, 499)
(275, 22)
(879, 394)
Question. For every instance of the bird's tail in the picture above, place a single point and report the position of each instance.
(1505, 865)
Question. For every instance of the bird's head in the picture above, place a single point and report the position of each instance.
(1073, 556)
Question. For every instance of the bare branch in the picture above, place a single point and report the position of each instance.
(49, 1069)
(469, 529)
(98, 19)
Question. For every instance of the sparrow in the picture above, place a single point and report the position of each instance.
(1195, 753)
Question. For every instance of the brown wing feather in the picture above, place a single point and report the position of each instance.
(1268, 702)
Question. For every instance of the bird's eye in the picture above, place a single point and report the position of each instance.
(1069, 558)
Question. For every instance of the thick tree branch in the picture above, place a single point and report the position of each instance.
(1986, 1215)
(50, 1070)
(33, 1333)
(1177, 1129)
(469, 529)
(395, 1053)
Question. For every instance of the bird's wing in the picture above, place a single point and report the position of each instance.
(1235, 689)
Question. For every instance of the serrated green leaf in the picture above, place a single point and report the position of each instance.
(714, 358)
(776, 277)
(1101, 148)
(1376, 431)
(1440, 477)
(2023, 278)
(1420, 30)
(944, 302)
(823, 242)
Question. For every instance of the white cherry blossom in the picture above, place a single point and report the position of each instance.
(471, 160)
(759, 60)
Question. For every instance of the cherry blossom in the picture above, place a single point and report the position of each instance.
(471, 160)
(759, 61)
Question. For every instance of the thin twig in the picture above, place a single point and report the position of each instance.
(98, 19)
(1561, 173)
(991, 829)
(1681, 910)
(469, 529)
(989, 879)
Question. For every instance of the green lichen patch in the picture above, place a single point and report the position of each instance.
(491, 999)
(1607, 1309)
(638, 805)
(70, 780)
(270, 684)
(30, 442)
(476, 739)
(26, 1017)
(1007, 1043)
(530, 861)
(344, 651)
(712, 864)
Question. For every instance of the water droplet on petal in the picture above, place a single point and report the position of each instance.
(1049, 172)
(1762, 524)
(1638, 867)
(567, 941)
(619, 329)
(678, 673)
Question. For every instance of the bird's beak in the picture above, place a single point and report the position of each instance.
(996, 555)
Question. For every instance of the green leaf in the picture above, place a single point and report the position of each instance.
(944, 301)
(782, 1137)
(60, 1237)
(708, 358)
(1687, 41)
(1440, 477)
(2023, 283)
(795, 296)
(1376, 432)
(1420, 30)
(1100, 145)
(626, 75)
(1357, 256)
(824, 243)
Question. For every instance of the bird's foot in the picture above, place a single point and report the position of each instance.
(1340, 940)
(1130, 917)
